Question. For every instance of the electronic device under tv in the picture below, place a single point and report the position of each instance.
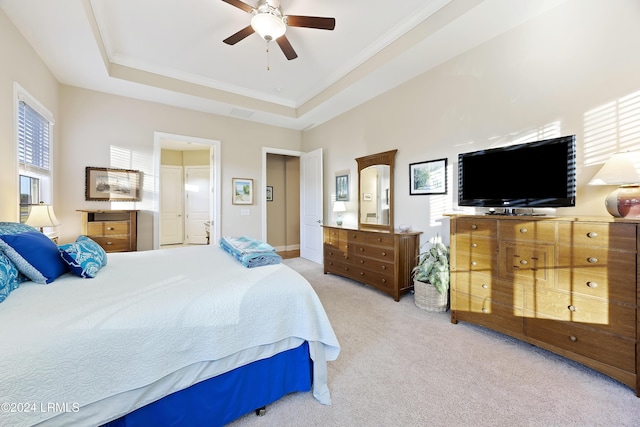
(538, 174)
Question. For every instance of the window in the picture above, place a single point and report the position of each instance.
(34, 126)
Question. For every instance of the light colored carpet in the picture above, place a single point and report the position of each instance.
(402, 366)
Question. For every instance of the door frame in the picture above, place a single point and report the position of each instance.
(214, 173)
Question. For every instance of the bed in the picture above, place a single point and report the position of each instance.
(185, 336)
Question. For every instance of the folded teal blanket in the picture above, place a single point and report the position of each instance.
(250, 252)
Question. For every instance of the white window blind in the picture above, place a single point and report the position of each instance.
(33, 139)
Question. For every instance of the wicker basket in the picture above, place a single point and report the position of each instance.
(428, 298)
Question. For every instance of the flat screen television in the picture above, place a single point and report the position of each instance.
(532, 175)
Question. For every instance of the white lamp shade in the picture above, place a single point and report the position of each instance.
(620, 169)
(42, 216)
(269, 26)
(339, 207)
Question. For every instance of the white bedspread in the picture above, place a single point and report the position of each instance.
(147, 314)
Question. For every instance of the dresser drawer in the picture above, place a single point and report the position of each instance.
(487, 312)
(527, 231)
(108, 228)
(527, 263)
(614, 318)
(374, 265)
(614, 284)
(484, 286)
(335, 238)
(606, 348)
(476, 227)
(476, 245)
(113, 244)
(611, 235)
(380, 253)
(380, 240)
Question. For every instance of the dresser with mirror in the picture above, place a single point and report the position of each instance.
(373, 253)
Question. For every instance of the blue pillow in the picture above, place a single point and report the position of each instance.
(35, 255)
(84, 257)
(8, 277)
(15, 228)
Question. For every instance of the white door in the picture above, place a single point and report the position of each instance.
(171, 207)
(197, 202)
(311, 208)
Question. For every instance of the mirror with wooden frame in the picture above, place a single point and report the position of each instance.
(375, 190)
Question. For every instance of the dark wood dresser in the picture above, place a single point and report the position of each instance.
(381, 259)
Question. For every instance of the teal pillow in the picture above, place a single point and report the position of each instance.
(35, 255)
(8, 277)
(84, 257)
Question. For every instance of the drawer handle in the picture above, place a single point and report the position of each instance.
(572, 308)
(474, 245)
(362, 273)
(523, 230)
(109, 243)
(474, 227)
(485, 310)
(384, 267)
(592, 234)
(524, 262)
(361, 249)
(592, 260)
(331, 253)
(573, 338)
(379, 239)
(473, 263)
(485, 286)
(592, 284)
(346, 269)
(110, 228)
(384, 254)
(384, 280)
(361, 261)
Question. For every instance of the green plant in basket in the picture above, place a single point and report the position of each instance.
(433, 265)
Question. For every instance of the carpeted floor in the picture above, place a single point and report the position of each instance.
(402, 366)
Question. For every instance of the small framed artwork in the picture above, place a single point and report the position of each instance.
(269, 193)
(428, 177)
(112, 185)
(367, 197)
(342, 188)
(242, 191)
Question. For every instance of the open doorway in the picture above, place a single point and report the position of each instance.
(187, 206)
(283, 204)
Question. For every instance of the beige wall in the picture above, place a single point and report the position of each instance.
(185, 158)
(20, 64)
(550, 73)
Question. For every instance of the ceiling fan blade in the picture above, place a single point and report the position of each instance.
(240, 35)
(311, 22)
(240, 5)
(286, 47)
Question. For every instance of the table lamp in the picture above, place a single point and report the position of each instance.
(620, 170)
(41, 216)
(339, 207)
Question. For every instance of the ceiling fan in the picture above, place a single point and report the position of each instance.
(269, 22)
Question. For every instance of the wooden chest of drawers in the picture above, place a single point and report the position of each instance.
(568, 285)
(380, 259)
(114, 230)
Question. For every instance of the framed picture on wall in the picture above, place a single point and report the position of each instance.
(242, 191)
(428, 177)
(342, 188)
(269, 193)
(112, 185)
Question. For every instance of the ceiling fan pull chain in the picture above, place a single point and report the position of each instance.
(268, 65)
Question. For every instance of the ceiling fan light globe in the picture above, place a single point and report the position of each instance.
(268, 26)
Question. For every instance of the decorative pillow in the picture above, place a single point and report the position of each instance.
(84, 257)
(35, 255)
(8, 277)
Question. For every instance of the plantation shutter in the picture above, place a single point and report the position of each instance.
(33, 140)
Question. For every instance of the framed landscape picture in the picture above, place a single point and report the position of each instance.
(342, 188)
(428, 177)
(112, 185)
(242, 191)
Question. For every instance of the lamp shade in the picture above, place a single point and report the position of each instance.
(269, 26)
(339, 207)
(620, 169)
(42, 215)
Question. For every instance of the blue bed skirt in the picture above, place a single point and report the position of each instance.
(222, 399)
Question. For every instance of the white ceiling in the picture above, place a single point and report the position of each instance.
(171, 51)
